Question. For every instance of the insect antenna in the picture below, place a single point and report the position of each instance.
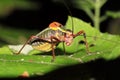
(69, 11)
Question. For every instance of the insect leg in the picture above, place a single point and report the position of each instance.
(53, 46)
(25, 44)
(84, 35)
(53, 50)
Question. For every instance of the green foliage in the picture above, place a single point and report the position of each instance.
(93, 9)
(9, 35)
(7, 6)
(101, 46)
(104, 44)
(113, 14)
(89, 6)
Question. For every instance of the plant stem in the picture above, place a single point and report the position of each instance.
(97, 15)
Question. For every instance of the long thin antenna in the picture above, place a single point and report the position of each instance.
(69, 11)
(70, 14)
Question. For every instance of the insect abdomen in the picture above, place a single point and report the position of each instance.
(43, 42)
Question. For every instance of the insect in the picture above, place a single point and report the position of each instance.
(49, 38)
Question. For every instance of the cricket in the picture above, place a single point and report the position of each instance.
(48, 39)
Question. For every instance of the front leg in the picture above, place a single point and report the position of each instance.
(84, 35)
(53, 46)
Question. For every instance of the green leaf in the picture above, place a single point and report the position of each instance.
(101, 46)
(78, 26)
(104, 44)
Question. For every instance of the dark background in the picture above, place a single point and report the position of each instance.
(51, 11)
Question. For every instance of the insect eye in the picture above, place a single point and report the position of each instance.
(60, 25)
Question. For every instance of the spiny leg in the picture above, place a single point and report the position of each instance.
(53, 46)
(84, 35)
(53, 53)
(22, 47)
(25, 44)
(53, 50)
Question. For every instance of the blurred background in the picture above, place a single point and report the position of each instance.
(20, 19)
